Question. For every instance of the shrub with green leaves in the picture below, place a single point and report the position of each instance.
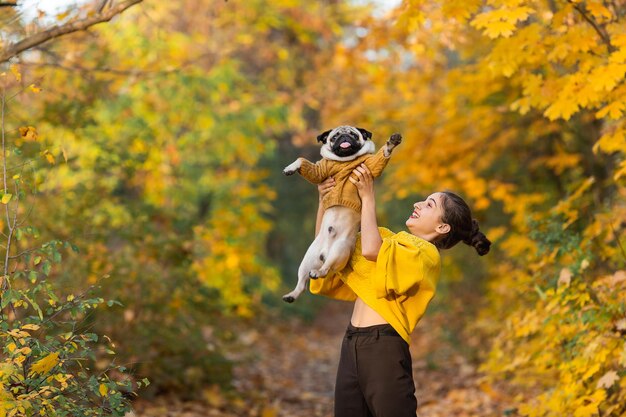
(50, 362)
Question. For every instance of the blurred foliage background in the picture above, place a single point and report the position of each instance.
(161, 137)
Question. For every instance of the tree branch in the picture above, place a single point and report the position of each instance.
(118, 71)
(601, 31)
(102, 4)
(57, 31)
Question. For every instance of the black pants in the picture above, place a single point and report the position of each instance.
(374, 378)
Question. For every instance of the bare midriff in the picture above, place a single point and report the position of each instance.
(363, 315)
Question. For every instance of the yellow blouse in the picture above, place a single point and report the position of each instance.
(398, 286)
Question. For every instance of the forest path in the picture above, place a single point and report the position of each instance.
(288, 369)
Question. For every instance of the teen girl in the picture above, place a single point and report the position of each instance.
(391, 278)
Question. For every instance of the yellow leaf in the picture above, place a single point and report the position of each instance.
(460, 9)
(611, 142)
(50, 158)
(607, 77)
(619, 56)
(620, 171)
(45, 364)
(501, 22)
(614, 110)
(34, 88)
(598, 10)
(619, 40)
(6, 198)
(591, 371)
(495, 29)
(586, 410)
(28, 133)
(213, 396)
(103, 389)
(562, 108)
(268, 412)
(16, 72)
(18, 334)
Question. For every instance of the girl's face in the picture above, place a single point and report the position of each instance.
(425, 221)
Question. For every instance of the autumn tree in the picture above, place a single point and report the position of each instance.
(519, 106)
(162, 126)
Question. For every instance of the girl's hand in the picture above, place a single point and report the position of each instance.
(325, 186)
(363, 181)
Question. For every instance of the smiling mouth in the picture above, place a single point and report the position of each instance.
(414, 215)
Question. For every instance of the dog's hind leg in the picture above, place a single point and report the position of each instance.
(311, 260)
(291, 297)
(338, 257)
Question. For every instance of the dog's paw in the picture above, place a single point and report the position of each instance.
(395, 139)
(317, 273)
(293, 167)
(288, 299)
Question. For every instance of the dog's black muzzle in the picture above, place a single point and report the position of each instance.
(345, 151)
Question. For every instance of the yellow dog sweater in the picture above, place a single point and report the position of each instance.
(344, 193)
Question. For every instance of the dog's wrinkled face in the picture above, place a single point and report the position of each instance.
(344, 141)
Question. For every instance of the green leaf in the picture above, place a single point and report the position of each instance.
(9, 296)
(46, 268)
(35, 306)
(539, 291)
(90, 337)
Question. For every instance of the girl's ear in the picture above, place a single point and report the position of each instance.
(443, 228)
(366, 134)
(322, 138)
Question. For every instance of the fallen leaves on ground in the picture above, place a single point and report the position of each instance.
(288, 368)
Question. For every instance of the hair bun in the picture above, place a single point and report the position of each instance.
(478, 240)
(475, 228)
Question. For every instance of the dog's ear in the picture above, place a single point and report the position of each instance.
(366, 134)
(322, 138)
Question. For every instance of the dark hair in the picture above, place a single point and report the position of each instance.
(463, 228)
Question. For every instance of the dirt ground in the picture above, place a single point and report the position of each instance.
(288, 369)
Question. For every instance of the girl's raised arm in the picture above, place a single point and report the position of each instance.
(370, 236)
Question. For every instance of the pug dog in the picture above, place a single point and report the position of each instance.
(343, 149)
